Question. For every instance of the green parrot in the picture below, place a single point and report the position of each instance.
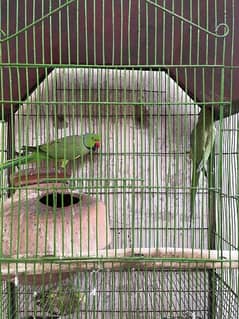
(59, 302)
(63, 149)
(202, 140)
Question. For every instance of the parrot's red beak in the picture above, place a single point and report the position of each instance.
(97, 144)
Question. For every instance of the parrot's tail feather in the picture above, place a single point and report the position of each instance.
(194, 185)
(22, 160)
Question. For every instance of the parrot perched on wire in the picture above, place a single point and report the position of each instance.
(59, 302)
(63, 149)
(202, 140)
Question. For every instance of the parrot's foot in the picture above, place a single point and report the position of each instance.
(64, 163)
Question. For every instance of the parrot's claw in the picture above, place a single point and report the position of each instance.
(64, 163)
(201, 166)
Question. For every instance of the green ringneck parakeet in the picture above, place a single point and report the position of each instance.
(63, 149)
(59, 302)
(202, 141)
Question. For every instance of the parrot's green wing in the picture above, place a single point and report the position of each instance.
(67, 148)
(202, 142)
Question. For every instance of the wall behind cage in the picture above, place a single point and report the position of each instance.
(143, 170)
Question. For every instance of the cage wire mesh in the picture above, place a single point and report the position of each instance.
(114, 233)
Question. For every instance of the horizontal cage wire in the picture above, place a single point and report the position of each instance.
(119, 159)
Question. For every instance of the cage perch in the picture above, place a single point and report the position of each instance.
(119, 259)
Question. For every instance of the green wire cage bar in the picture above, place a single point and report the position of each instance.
(119, 159)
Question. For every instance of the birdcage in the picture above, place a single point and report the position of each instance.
(141, 98)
